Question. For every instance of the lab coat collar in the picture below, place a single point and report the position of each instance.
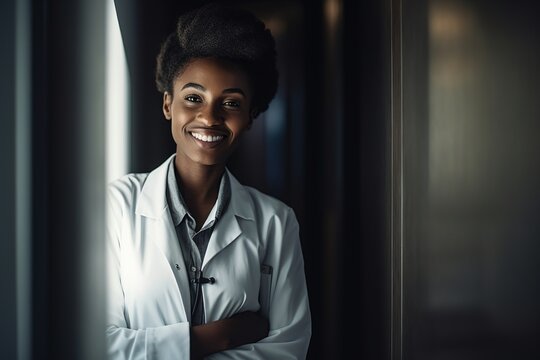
(240, 201)
(152, 201)
(228, 228)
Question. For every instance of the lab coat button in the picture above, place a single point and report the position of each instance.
(177, 266)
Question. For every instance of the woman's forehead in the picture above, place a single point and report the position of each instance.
(213, 73)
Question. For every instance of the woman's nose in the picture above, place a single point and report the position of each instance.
(211, 115)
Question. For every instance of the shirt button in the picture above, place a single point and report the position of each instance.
(177, 266)
(193, 268)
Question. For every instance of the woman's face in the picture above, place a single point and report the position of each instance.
(209, 110)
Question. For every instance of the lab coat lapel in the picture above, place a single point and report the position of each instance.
(153, 205)
(228, 228)
(225, 232)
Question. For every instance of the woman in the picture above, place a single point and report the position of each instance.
(199, 265)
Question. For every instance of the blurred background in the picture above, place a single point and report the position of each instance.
(404, 135)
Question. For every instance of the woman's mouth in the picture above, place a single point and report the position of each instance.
(207, 138)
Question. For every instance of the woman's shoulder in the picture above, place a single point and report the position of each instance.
(267, 207)
(128, 182)
(262, 199)
(263, 204)
(126, 188)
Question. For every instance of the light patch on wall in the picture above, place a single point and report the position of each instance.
(456, 115)
(23, 176)
(117, 102)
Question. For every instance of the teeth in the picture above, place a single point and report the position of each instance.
(208, 138)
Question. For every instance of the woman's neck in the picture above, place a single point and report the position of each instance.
(199, 185)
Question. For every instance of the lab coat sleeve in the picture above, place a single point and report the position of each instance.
(162, 342)
(289, 313)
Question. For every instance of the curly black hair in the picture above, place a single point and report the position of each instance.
(222, 32)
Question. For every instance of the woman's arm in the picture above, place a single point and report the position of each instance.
(288, 312)
(124, 343)
(240, 329)
(169, 341)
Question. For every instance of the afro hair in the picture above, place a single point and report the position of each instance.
(227, 33)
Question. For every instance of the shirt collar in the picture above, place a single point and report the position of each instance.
(152, 200)
(178, 206)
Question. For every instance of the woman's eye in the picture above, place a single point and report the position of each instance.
(193, 98)
(232, 104)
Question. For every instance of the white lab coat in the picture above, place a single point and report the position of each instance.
(148, 289)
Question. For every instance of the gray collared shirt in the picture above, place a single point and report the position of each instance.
(194, 243)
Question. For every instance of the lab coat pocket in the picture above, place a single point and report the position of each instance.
(265, 289)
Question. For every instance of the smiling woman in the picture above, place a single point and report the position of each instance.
(209, 109)
(198, 264)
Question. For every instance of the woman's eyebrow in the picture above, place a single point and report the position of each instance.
(194, 85)
(203, 89)
(234, 90)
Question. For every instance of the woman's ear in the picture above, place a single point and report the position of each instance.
(167, 101)
(253, 113)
